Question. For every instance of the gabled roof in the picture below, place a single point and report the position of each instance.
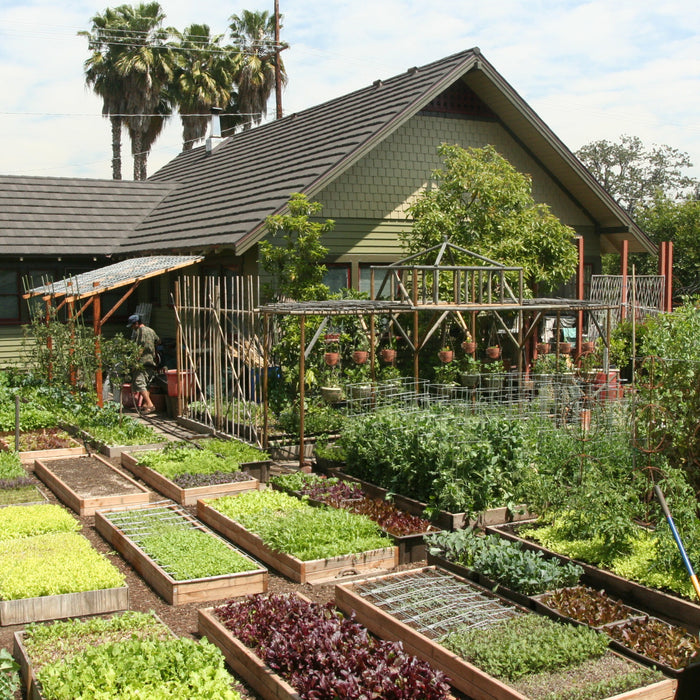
(225, 195)
(60, 216)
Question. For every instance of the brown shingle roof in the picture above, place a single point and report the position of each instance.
(59, 216)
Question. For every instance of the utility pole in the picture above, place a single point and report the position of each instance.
(278, 72)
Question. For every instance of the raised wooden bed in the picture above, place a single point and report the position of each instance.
(180, 592)
(664, 605)
(109, 451)
(444, 519)
(462, 675)
(28, 456)
(188, 496)
(244, 662)
(56, 607)
(106, 487)
(289, 566)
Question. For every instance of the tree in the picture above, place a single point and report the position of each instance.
(106, 41)
(294, 255)
(204, 77)
(633, 174)
(483, 204)
(253, 34)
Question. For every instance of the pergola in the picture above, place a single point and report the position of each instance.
(78, 293)
(433, 281)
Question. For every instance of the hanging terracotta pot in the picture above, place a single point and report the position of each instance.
(332, 337)
(469, 347)
(360, 356)
(446, 356)
(564, 348)
(493, 352)
(587, 346)
(331, 358)
(388, 354)
(542, 348)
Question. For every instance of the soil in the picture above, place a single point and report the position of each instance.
(182, 619)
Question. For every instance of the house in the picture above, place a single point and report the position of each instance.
(365, 156)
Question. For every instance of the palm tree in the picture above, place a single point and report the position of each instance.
(253, 34)
(105, 42)
(204, 76)
(146, 67)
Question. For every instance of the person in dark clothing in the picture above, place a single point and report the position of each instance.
(147, 340)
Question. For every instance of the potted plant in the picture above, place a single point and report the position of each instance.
(493, 352)
(470, 371)
(446, 354)
(359, 385)
(542, 348)
(361, 350)
(446, 376)
(468, 344)
(388, 354)
(330, 386)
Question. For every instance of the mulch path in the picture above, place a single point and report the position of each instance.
(181, 619)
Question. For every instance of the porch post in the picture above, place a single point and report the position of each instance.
(623, 298)
(579, 295)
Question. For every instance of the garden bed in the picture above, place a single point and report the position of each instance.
(321, 653)
(86, 483)
(183, 496)
(405, 530)
(404, 607)
(664, 605)
(110, 451)
(131, 533)
(290, 566)
(42, 444)
(443, 520)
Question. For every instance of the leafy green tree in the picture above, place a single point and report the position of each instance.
(634, 174)
(293, 253)
(482, 203)
(204, 78)
(253, 34)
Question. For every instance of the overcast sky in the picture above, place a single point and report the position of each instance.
(591, 70)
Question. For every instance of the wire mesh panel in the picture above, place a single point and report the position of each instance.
(434, 602)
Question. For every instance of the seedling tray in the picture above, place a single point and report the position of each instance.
(115, 488)
(183, 496)
(289, 566)
(174, 591)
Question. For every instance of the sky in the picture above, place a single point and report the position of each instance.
(591, 70)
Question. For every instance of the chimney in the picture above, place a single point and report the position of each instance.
(215, 137)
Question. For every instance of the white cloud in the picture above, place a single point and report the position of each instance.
(591, 69)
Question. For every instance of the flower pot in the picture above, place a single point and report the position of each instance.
(445, 356)
(360, 356)
(469, 379)
(331, 358)
(564, 348)
(493, 352)
(360, 391)
(332, 337)
(469, 347)
(388, 354)
(331, 394)
(542, 348)
(587, 346)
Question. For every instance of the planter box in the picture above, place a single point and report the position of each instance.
(289, 566)
(244, 662)
(119, 488)
(463, 675)
(444, 520)
(669, 607)
(109, 451)
(56, 607)
(183, 496)
(174, 591)
(28, 456)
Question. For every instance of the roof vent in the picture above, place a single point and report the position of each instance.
(413, 70)
(215, 137)
(377, 83)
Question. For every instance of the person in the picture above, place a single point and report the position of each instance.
(147, 340)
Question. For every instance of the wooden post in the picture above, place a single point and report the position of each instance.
(669, 276)
(97, 316)
(302, 381)
(579, 295)
(178, 349)
(623, 299)
(663, 271)
(266, 361)
(416, 366)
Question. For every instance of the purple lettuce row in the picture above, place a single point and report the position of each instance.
(15, 483)
(323, 654)
(188, 481)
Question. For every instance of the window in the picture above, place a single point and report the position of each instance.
(9, 296)
(337, 277)
(366, 279)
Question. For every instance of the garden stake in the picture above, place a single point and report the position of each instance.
(676, 536)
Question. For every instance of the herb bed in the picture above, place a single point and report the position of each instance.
(165, 545)
(299, 569)
(405, 606)
(215, 484)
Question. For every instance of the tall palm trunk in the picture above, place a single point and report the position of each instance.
(116, 147)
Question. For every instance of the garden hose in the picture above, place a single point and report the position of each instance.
(676, 536)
